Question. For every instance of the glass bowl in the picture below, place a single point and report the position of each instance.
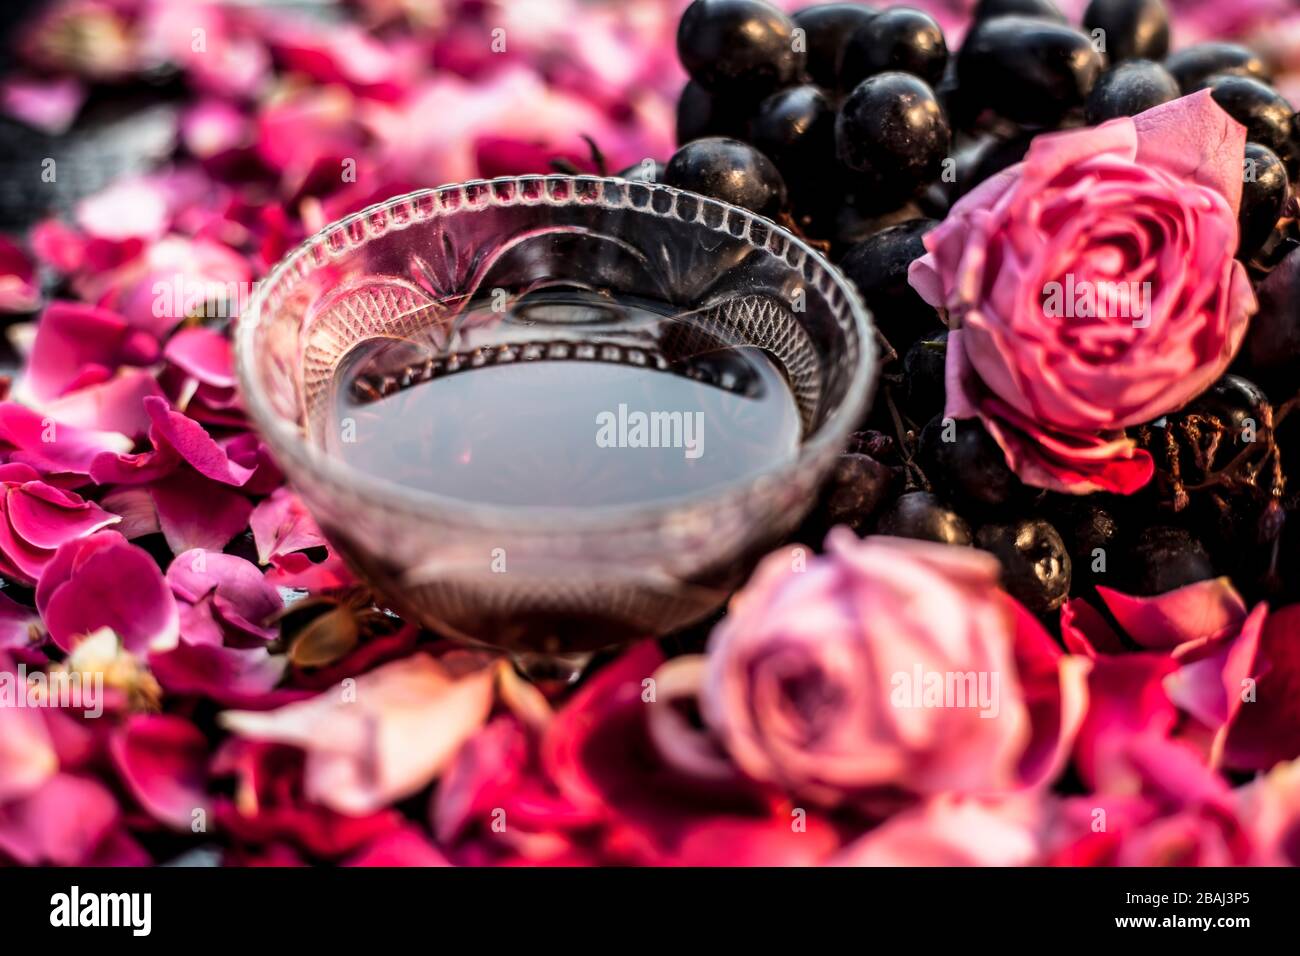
(572, 580)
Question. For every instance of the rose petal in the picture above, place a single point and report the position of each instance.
(1194, 137)
(80, 344)
(241, 596)
(52, 447)
(407, 846)
(105, 581)
(953, 831)
(405, 725)
(163, 762)
(204, 354)
(194, 512)
(113, 406)
(282, 525)
(194, 444)
(234, 677)
(62, 823)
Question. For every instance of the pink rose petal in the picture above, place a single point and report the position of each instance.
(105, 581)
(163, 761)
(18, 290)
(404, 726)
(192, 442)
(62, 823)
(116, 405)
(235, 677)
(242, 599)
(49, 105)
(204, 354)
(51, 446)
(1198, 612)
(79, 344)
(282, 525)
(194, 512)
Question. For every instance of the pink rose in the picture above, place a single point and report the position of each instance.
(1092, 288)
(887, 663)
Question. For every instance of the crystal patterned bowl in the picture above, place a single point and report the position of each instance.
(579, 579)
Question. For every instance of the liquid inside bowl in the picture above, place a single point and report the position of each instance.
(565, 398)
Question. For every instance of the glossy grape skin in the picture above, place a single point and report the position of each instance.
(1036, 567)
(919, 514)
(1264, 112)
(1128, 89)
(1165, 558)
(1040, 9)
(1263, 197)
(701, 113)
(924, 368)
(856, 489)
(1027, 70)
(962, 459)
(744, 47)
(1091, 532)
(1001, 154)
(1193, 65)
(847, 222)
(728, 170)
(1273, 339)
(828, 27)
(1133, 29)
(900, 38)
(893, 130)
(878, 267)
(795, 128)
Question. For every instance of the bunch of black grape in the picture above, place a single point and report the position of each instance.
(857, 128)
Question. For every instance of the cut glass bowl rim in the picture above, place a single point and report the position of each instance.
(342, 236)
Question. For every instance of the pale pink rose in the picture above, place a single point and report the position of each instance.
(821, 678)
(1141, 214)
